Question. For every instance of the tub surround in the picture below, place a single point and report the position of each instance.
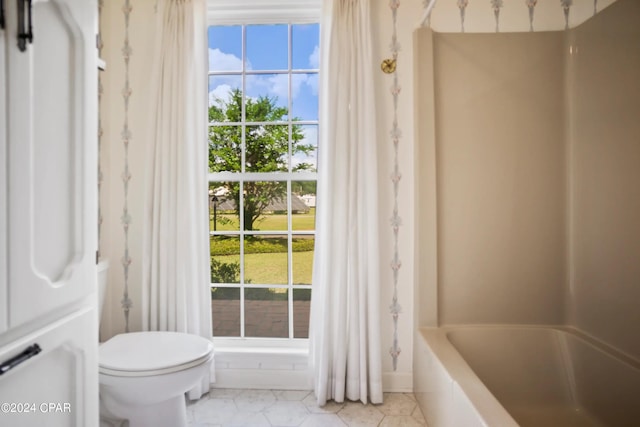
(530, 204)
(500, 162)
(531, 200)
(603, 172)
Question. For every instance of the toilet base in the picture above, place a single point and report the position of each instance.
(170, 413)
(152, 397)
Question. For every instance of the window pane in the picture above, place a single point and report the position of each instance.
(225, 312)
(300, 211)
(224, 97)
(265, 205)
(265, 260)
(302, 258)
(267, 47)
(225, 148)
(305, 41)
(225, 259)
(301, 309)
(304, 93)
(303, 211)
(266, 312)
(222, 206)
(267, 97)
(225, 48)
(267, 148)
(304, 146)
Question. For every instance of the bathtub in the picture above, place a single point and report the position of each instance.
(507, 376)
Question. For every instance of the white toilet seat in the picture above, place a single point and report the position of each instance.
(138, 354)
(144, 373)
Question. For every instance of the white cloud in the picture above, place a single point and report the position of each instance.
(275, 85)
(221, 61)
(278, 85)
(221, 94)
(297, 81)
(312, 82)
(310, 137)
(271, 85)
(314, 58)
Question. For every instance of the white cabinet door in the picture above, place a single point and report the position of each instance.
(3, 184)
(57, 386)
(52, 120)
(48, 215)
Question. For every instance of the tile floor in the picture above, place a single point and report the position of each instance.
(257, 408)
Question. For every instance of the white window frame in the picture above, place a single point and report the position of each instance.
(236, 12)
(252, 12)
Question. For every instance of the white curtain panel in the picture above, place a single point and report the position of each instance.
(345, 351)
(176, 295)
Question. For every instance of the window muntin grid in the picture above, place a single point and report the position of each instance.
(294, 268)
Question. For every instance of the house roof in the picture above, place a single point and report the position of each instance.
(279, 204)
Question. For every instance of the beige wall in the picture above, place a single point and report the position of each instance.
(499, 129)
(605, 176)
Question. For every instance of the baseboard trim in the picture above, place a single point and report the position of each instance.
(283, 371)
(264, 379)
(268, 379)
(397, 382)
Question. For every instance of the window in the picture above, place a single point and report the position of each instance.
(263, 140)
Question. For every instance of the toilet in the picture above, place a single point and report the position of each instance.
(144, 375)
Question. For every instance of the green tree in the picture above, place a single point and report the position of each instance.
(267, 148)
(224, 272)
(304, 187)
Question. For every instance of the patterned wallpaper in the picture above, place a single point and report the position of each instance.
(100, 133)
(396, 221)
(126, 137)
(516, 15)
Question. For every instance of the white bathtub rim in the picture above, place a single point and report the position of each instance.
(592, 340)
(487, 407)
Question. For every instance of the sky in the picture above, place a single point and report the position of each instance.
(267, 49)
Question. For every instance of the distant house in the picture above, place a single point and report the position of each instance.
(280, 205)
(309, 200)
(298, 206)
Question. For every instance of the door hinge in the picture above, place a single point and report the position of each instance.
(24, 34)
(2, 14)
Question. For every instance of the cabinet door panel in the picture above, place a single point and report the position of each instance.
(58, 386)
(55, 173)
(52, 153)
(3, 184)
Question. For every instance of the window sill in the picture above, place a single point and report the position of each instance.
(261, 367)
(254, 353)
(260, 344)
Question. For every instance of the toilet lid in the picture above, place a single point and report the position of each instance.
(153, 351)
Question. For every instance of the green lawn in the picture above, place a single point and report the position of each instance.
(266, 256)
(269, 222)
(271, 268)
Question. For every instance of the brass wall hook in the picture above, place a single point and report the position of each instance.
(388, 66)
